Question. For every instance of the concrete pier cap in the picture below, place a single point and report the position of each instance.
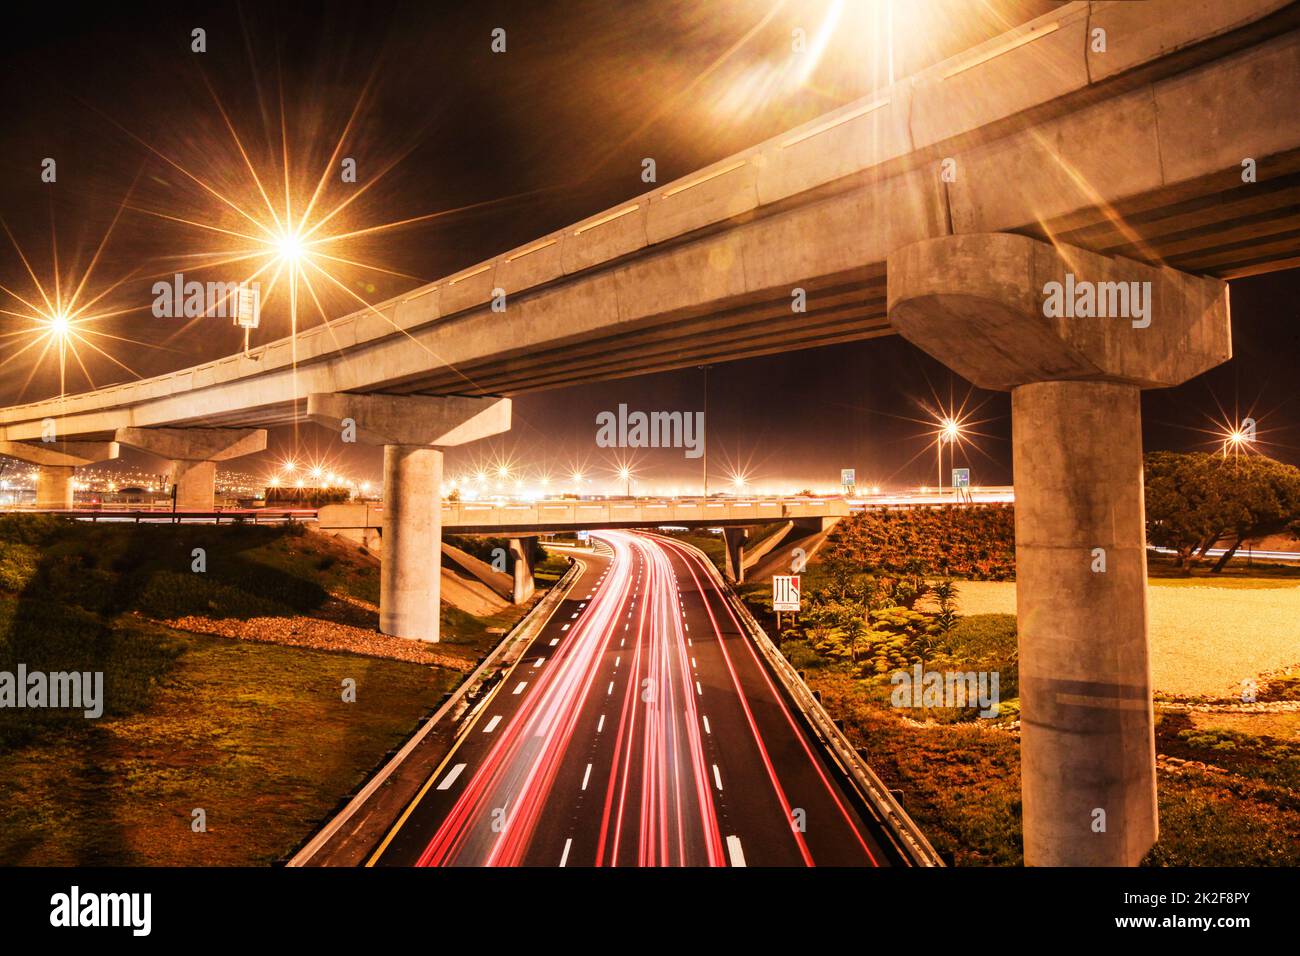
(56, 463)
(193, 453)
(413, 430)
(1074, 336)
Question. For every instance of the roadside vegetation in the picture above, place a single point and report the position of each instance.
(256, 735)
(878, 599)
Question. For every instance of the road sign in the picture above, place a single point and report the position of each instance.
(961, 477)
(785, 592)
(848, 477)
(584, 535)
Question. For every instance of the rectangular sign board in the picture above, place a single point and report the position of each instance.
(848, 477)
(785, 592)
(961, 477)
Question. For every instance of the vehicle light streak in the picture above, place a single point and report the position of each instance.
(648, 774)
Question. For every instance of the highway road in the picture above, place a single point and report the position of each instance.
(640, 728)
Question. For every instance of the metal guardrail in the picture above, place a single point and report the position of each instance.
(907, 835)
(519, 634)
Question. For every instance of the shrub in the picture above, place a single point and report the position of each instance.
(976, 542)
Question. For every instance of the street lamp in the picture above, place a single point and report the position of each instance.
(625, 473)
(1239, 437)
(949, 431)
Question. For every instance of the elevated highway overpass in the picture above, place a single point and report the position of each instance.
(1105, 146)
(1134, 152)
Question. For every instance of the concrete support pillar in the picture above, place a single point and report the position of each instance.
(993, 308)
(413, 430)
(54, 486)
(196, 485)
(411, 572)
(734, 566)
(1088, 743)
(194, 453)
(56, 463)
(521, 549)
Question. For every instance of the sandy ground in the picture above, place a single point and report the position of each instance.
(1204, 640)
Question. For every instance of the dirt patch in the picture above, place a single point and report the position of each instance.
(330, 634)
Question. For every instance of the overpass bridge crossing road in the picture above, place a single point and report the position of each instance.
(943, 207)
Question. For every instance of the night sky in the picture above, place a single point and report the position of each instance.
(504, 147)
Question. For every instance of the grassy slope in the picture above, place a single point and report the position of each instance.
(255, 734)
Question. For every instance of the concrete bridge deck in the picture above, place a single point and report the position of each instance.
(1108, 151)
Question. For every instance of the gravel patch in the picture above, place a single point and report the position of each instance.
(325, 635)
(1204, 640)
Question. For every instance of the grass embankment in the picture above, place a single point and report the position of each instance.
(960, 779)
(258, 736)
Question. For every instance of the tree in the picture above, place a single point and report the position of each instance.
(1194, 500)
(1264, 499)
(1184, 503)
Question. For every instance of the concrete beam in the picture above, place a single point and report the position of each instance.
(72, 454)
(193, 453)
(195, 444)
(981, 304)
(56, 462)
(411, 419)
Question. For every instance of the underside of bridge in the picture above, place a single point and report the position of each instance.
(1171, 162)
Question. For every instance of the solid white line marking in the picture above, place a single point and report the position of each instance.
(707, 728)
(600, 725)
(734, 851)
(519, 689)
(717, 777)
(448, 780)
(586, 776)
(564, 858)
(492, 724)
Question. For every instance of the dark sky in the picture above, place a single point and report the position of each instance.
(508, 147)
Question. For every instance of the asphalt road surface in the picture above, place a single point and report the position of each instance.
(640, 728)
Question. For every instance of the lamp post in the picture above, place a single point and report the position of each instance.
(948, 431)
